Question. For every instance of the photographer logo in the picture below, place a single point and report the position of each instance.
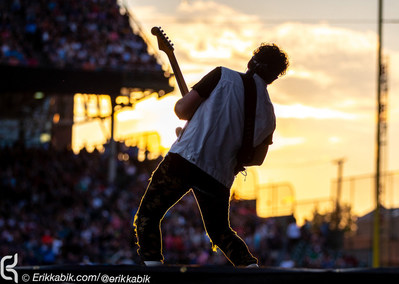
(9, 268)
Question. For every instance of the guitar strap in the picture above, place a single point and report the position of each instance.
(246, 152)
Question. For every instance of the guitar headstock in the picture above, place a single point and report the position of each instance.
(164, 42)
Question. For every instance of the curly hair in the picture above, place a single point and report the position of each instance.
(273, 62)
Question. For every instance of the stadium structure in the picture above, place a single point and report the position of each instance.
(51, 50)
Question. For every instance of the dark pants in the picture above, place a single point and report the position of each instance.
(169, 182)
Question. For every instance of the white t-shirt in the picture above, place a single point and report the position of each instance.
(213, 136)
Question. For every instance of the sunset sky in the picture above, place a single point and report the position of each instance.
(325, 105)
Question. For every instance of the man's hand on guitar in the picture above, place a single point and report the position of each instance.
(178, 130)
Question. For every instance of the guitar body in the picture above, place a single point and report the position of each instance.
(166, 46)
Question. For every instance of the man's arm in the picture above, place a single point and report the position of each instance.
(187, 105)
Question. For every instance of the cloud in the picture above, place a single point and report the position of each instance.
(205, 34)
(303, 112)
(212, 34)
(329, 65)
(281, 141)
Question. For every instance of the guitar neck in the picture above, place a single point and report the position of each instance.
(178, 75)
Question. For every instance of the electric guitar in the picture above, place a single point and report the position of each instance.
(166, 46)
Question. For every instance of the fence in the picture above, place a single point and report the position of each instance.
(359, 192)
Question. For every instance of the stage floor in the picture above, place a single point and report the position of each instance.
(199, 274)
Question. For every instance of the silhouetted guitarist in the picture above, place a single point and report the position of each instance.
(204, 157)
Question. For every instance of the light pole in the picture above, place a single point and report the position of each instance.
(380, 110)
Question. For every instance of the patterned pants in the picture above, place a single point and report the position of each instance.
(169, 182)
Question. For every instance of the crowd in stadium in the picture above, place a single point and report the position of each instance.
(89, 34)
(57, 208)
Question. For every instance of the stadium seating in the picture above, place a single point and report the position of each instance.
(57, 208)
(89, 35)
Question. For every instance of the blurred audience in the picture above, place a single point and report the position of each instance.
(82, 34)
(57, 208)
